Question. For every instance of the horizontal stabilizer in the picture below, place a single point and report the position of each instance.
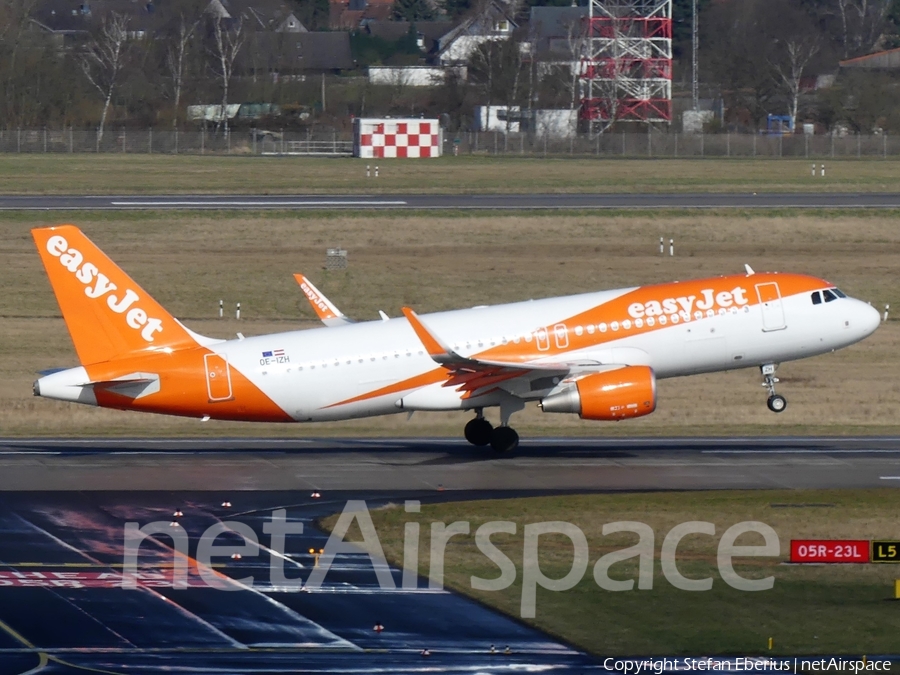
(135, 385)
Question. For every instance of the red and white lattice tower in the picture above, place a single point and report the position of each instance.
(626, 68)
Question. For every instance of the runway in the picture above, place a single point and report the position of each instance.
(64, 608)
(64, 505)
(453, 202)
(392, 464)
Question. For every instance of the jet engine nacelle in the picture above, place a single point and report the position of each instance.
(612, 395)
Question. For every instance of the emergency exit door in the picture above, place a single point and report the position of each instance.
(218, 377)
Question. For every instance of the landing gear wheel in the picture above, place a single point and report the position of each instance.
(777, 403)
(504, 439)
(478, 431)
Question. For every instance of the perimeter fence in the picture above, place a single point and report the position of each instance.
(333, 142)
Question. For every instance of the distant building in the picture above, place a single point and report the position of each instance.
(413, 76)
(428, 33)
(272, 16)
(352, 14)
(886, 60)
(556, 31)
(493, 22)
(292, 55)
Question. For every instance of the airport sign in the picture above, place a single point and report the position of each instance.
(829, 551)
(886, 551)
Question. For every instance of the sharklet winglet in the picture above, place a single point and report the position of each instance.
(436, 349)
(326, 310)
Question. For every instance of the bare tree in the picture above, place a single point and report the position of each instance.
(861, 23)
(579, 45)
(104, 58)
(516, 61)
(227, 46)
(738, 41)
(799, 52)
(15, 18)
(180, 40)
(496, 68)
(607, 73)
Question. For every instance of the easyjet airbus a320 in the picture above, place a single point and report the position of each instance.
(597, 355)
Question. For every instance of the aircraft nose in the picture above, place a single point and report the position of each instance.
(868, 318)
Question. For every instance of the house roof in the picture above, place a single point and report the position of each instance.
(350, 14)
(259, 15)
(551, 30)
(481, 23)
(397, 30)
(886, 59)
(553, 22)
(72, 16)
(65, 16)
(311, 51)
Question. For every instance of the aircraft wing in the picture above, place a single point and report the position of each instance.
(322, 306)
(476, 376)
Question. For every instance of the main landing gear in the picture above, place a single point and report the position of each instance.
(776, 403)
(480, 432)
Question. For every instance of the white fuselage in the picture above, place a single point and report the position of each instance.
(321, 368)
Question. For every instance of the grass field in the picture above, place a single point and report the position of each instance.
(159, 174)
(439, 261)
(822, 609)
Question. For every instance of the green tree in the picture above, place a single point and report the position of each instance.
(413, 10)
(456, 8)
(313, 14)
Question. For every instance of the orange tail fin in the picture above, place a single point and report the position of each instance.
(108, 315)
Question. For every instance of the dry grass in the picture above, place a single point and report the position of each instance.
(159, 174)
(817, 609)
(189, 261)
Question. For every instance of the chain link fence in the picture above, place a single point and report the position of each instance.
(660, 144)
(332, 142)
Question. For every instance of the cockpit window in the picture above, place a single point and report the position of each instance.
(816, 298)
(839, 293)
(829, 296)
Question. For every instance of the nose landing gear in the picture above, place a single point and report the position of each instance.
(776, 403)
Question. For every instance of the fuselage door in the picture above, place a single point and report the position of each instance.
(561, 333)
(771, 306)
(542, 339)
(218, 377)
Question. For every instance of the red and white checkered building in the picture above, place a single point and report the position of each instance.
(389, 138)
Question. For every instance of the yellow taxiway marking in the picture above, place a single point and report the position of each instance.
(43, 659)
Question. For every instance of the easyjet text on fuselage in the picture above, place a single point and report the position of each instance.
(685, 304)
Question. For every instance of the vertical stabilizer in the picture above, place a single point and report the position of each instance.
(108, 315)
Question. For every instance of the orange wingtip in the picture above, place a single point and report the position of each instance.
(320, 304)
(432, 345)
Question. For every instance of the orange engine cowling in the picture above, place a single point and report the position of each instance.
(613, 395)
